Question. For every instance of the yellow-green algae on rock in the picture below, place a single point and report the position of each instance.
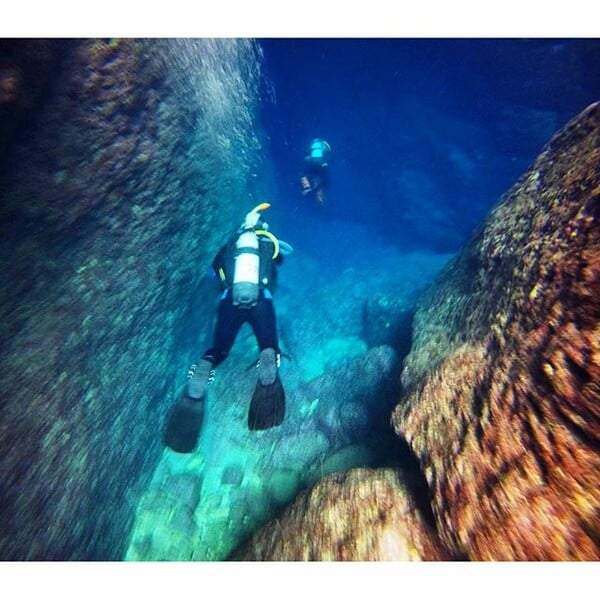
(503, 379)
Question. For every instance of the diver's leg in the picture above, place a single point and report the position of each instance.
(227, 327)
(185, 418)
(229, 320)
(264, 322)
(267, 407)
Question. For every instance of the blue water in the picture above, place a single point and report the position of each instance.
(426, 133)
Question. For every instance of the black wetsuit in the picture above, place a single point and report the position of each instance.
(317, 173)
(261, 316)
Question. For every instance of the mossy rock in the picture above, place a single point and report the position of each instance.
(343, 460)
(298, 452)
(329, 354)
(283, 486)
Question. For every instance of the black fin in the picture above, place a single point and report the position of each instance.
(183, 426)
(267, 407)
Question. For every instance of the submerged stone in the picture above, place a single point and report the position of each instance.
(363, 515)
(297, 452)
(503, 378)
(283, 485)
(185, 489)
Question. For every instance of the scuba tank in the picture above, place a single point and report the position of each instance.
(246, 270)
(319, 150)
(316, 150)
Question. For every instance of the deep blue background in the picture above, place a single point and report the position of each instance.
(426, 133)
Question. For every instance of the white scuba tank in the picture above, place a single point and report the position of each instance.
(246, 270)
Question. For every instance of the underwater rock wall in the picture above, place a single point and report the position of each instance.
(116, 196)
(26, 71)
(503, 378)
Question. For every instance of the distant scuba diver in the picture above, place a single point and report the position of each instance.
(315, 178)
(246, 267)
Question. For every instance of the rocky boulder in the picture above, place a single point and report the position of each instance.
(503, 378)
(387, 319)
(361, 515)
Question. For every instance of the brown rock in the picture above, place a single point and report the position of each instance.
(503, 381)
(362, 515)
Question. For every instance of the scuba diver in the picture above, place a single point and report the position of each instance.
(315, 179)
(246, 267)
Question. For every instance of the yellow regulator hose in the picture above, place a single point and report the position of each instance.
(262, 206)
(272, 238)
